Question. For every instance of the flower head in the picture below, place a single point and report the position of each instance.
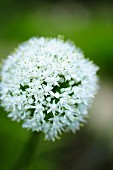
(49, 85)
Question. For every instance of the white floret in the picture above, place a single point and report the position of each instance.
(49, 85)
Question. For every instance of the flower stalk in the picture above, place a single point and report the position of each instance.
(28, 152)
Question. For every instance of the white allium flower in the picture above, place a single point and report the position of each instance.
(49, 85)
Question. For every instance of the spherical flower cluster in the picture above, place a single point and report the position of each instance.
(49, 85)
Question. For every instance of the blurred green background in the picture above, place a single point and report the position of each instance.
(90, 25)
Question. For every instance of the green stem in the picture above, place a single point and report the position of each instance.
(27, 153)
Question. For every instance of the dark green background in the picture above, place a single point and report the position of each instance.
(90, 25)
